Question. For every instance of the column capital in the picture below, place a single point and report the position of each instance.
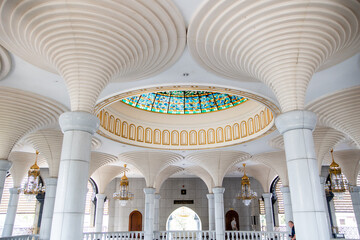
(210, 196)
(285, 189)
(5, 165)
(157, 196)
(295, 120)
(80, 121)
(149, 190)
(217, 190)
(14, 190)
(267, 195)
(354, 188)
(50, 181)
(100, 196)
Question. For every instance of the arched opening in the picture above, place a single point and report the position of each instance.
(135, 221)
(183, 219)
(232, 221)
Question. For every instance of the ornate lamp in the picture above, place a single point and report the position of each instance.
(246, 194)
(337, 184)
(33, 186)
(123, 194)
(183, 213)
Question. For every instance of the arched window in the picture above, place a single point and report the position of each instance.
(183, 219)
(25, 215)
(89, 216)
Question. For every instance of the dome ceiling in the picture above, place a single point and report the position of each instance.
(184, 102)
(232, 117)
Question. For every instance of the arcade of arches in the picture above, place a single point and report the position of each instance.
(148, 116)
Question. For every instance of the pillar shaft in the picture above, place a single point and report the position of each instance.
(149, 213)
(157, 213)
(11, 212)
(111, 224)
(211, 209)
(48, 211)
(268, 212)
(78, 128)
(4, 168)
(287, 206)
(219, 212)
(355, 198)
(100, 200)
(305, 190)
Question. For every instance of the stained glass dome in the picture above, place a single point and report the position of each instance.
(184, 102)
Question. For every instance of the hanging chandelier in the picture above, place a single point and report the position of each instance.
(123, 194)
(184, 213)
(246, 194)
(337, 183)
(33, 186)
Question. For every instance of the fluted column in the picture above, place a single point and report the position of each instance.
(157, 213)
(11, 212)
(268, 212)
(211, 209)
(355, 198)
(78, 128)
(287, 205)
(100, 200)
(304, 182)
(4, 168)
(149, 213)
(219, 212)
(48, 211)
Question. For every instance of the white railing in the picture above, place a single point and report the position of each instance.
(114, 235)
(188, 235)
(253, 235)
(22, 237)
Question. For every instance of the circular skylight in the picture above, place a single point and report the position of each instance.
(184, 102)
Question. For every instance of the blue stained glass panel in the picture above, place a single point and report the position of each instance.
(184, 102)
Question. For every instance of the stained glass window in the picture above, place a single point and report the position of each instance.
(184, 102)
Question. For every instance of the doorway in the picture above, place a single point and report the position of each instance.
(135, 221)
(229, 224)
(183, 219)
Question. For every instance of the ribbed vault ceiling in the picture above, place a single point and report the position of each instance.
(281, 43)
(90, 43)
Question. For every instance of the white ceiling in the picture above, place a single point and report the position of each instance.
(28, 77)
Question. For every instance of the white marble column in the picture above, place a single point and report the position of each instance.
(268, 212)
(78, 128)
(48, 211)
(355, 198)
(4, 168)
(287, 205)
(304, 182)
(100, 200)
(149, 213)
(11, 212)
(111, 223)
(219, 212)
(332, 212)
(157, 212)
(323, 195)
(211, 209)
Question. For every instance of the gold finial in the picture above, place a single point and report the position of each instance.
(333, 164)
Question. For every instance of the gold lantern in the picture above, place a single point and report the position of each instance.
(337, 183)
(33, 186)
(246, 194)
(124, 195)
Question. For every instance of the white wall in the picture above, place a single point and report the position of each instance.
(196, 190)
